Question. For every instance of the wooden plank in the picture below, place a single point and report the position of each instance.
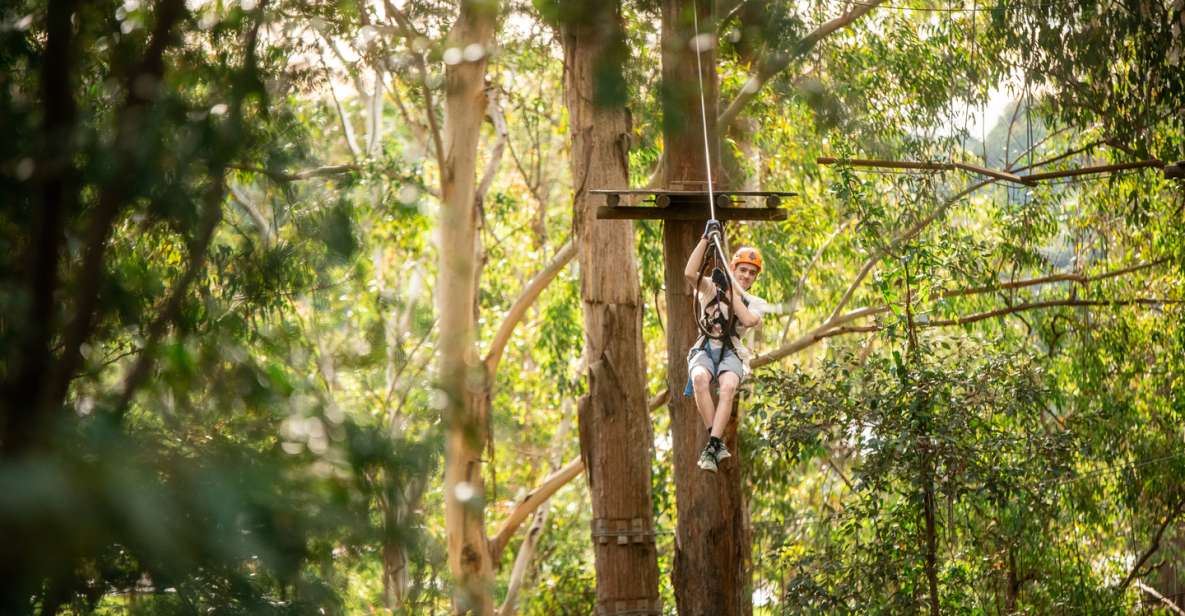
(623, 212)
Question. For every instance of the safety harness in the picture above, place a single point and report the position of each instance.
(712, 314)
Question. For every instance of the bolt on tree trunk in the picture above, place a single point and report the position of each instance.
(616, 437)
(712, 547)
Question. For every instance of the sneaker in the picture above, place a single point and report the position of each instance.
(719, 449)
(707, 459)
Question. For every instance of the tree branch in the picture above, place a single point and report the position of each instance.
(523, 560)
(347, 127)
(295, 176)
(374, 140)
(498, 119)
(528, 296)
(257, 217)
(1025, 307)
(801, 287)
(528, 503)
(168, 312)
(907, 235)
(775, 63)
(834, 325)
(1052, 278)
(114, 196)
(1169, 519)
(1172, 607)
(866, 268)
(419, 131)
(429, 106)
(526, 551)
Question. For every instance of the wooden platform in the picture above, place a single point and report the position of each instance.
(688, 205)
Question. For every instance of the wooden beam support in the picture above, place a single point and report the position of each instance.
(1069, 173)
(992, 173)
(1028, 180)
(692, 213)
(693, 193)
(684, 198)
(884, 164)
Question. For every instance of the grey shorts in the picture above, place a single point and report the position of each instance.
(730, 362)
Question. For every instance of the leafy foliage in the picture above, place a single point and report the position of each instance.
(217, 324)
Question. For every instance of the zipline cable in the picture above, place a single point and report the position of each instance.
(703, 113)
(719, 259)
(703, 107)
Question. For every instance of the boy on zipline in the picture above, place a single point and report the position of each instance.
(720, 355)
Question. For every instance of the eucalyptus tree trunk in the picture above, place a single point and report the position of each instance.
(712, 551)
(616, 438)
(466, 419)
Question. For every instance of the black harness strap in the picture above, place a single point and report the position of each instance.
(712, 314)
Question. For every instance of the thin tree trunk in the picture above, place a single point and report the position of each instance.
(465, 416)
(711, 565)
(931, 532)
(925, 446)
(615, 432)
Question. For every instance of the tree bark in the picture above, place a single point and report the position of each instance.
(712, 551)
(616, 437)
(461, 373)
(20, 421)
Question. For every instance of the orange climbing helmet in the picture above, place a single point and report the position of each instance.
(747, 254)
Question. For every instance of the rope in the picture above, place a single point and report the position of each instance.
(719, 259)
(703, 110)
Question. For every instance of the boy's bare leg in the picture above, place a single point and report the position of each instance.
(701, 384)
(728, 389)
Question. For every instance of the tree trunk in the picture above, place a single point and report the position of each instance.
(712, 551)
(616, 437)
(465, 417)
(931, 529)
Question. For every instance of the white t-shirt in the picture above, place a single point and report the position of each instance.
(755, 304)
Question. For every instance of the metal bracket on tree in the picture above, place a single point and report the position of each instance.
(622, 531)
(650, 606)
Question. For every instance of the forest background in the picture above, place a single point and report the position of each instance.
(226, 230)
